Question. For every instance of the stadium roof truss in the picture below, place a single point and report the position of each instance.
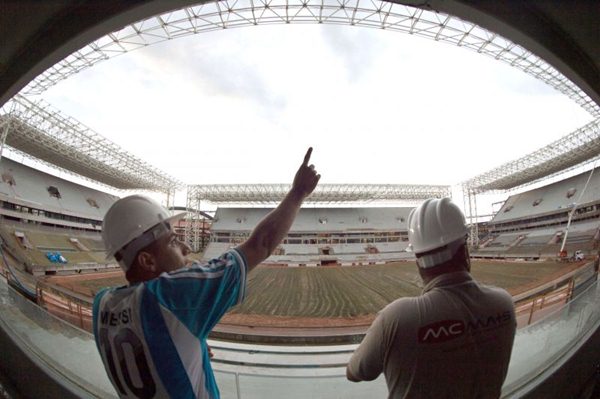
(324, 193)
(226, 14)
(210, 16)
(569, 152)
(35, 129)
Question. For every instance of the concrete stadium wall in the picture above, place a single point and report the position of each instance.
(30, 190)
(554, 198)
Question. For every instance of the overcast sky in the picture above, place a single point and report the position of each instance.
(242, 106)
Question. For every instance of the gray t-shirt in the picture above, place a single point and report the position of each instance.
(453, 341)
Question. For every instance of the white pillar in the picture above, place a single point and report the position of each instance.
(4, 127)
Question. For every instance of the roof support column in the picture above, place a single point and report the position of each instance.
(171, 199)
(193, 220)
(470, 198)
(4, 128)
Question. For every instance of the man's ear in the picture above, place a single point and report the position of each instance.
(467, 259)
(146, 261)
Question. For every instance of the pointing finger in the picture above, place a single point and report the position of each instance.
(307, 156)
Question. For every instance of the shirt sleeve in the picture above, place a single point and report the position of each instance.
(367, 361)
(201, 294)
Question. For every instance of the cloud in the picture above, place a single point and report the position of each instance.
(524, 84)
(355, 46)
(223, 68)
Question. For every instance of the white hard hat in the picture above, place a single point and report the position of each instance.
(436, 223)
(134, 218)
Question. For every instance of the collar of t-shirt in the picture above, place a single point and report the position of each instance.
(448, 279)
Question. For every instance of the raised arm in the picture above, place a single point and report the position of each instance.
(274, 227)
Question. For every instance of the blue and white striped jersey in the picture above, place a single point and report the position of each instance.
(152, 336)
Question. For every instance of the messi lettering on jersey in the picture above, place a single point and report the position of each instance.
(114, 319)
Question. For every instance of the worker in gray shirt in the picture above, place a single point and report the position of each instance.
(453, 341)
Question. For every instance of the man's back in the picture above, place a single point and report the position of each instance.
(454, 341)
(152, 336)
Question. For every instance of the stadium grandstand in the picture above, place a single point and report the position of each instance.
(372, 234)
(535, 223)
(321, 236)
(50, 226)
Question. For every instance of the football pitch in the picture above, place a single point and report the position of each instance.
(364, 290)
(346, 292)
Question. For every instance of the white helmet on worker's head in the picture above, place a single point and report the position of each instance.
(436, 230)
(131, 224)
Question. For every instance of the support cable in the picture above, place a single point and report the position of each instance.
(562, 247)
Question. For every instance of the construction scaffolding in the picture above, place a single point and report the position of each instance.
(218, 15)
(38, 131)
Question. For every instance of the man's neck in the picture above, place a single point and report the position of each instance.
(429, 274)
(139, 277)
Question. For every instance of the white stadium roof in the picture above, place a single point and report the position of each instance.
(324, 193)
(580, 147)
(37, 130)
(120, 170)
(225, 14)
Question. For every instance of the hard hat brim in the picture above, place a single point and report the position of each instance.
(179, 216)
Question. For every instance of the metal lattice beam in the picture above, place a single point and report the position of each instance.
(219, 15)
(212, 16)
(580, 147)
(37, 130)
(324, 193)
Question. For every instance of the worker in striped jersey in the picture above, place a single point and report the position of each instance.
(151, 334)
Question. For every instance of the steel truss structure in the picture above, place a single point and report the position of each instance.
(323, 194)
(38, 131)
(573, 150)
(227, 14)
(561, 156)
(210, 16)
